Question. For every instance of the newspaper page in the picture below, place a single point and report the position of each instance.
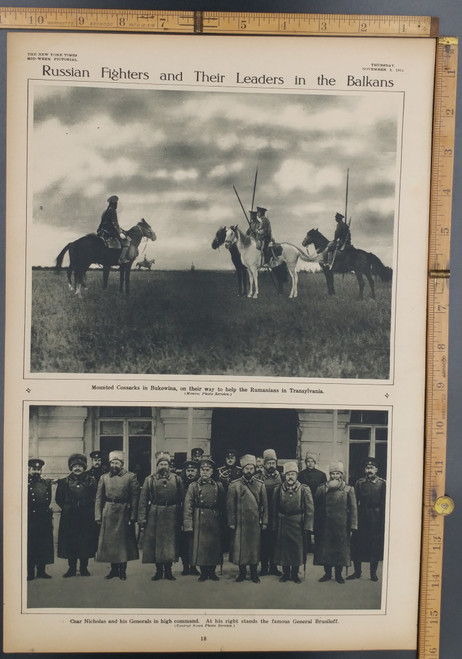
(215, 341)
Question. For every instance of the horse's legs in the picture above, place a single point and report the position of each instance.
(371, 283)
(127, 278)
(239, 281)
(245, 281)
(329, 280)
(106, 269)
(121, 278)
(255, 282)
(360, 279)
(294, 277)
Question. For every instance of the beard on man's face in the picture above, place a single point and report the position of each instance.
(163, 471)
(248, 475)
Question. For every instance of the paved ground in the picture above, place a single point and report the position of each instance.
(139, 592)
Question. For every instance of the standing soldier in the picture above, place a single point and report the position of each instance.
(264, 233)
(39, 522)
(109, 228)
(189, 474)
(230, 471)
(98, 468)
(196, 454)
(204, 513)
(75, 495)
(292, 520)
(247, 512)
(342, 238)
(311, 476)
(271, 479)
(367, 541)
(116, 508)
(335, 517)
(161, 501)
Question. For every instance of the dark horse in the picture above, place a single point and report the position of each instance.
(349, 259)
(92, 249)
(279, 271)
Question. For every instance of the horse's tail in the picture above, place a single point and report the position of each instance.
(378, 267)
(59, 258)
(305, 257)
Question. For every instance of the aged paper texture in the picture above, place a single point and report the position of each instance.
(269, 199)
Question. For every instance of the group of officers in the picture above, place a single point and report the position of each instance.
(258, 512)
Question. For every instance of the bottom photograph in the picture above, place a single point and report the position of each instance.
(206, 508)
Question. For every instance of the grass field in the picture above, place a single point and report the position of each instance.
(194, 323)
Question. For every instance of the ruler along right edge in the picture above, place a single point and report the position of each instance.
(435, 504)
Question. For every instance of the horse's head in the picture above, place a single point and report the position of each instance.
(219, 238)
(146, 229)
(315, 237)
(231, 236)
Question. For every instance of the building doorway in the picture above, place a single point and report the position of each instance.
(253, 430)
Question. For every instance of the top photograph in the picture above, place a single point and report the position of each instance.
(196, 232)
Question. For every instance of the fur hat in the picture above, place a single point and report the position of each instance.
(336, 466)
(269, 454)
(248, 460)
(311, 455)
(290, 466)
(77, 459)
(117, 455)
(163, 455)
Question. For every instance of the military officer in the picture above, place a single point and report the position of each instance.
(260, 466)
(310, 475)
(109, 227)
(98, 467)
(230, 471)
(189, 474)
(342, 238)
(116, 508)
(335, 517)
(160, 508)
(75, 495)
(196, 454)
(204, 514)
(271, 479)
(264, 233)
(292, 520)
(367, 541)
(247, 515)
(40, 550)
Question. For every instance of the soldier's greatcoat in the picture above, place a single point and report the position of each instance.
(267, 537)
(313, 478)
(77, 537)
(160, 510)
(335, 516)
(247, 510)
(292, 515)
(116, 506)
(367, 543)
(39, 523)
(204, 512)
(97, 472)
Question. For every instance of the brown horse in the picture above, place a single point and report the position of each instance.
(349, 259)
(92, 249)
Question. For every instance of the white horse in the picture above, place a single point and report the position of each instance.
(251, 258)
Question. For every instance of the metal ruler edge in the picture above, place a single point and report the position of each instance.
(198, 22)
(435, 504)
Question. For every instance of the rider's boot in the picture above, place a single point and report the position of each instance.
(123, 255)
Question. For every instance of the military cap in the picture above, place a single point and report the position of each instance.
(269, 454)
(371, 461)
(339, 216)
(191, 463)
(112, 198)
(336, 466)
(197, 450)
(96, 454)
(163, 455)
(36, 463)
(248, 460)
(77, 459)
(252, 213)
(117, 455)
(230, 452)
(206, 459)
(290, 466)
(311, 455)
(260, 208)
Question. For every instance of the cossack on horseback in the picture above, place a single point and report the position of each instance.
(110, 231)
(342, 239)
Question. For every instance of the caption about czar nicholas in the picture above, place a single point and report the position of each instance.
(210, 622)
(374, 74)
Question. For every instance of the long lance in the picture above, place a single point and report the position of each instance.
(346, 217)
(254, 188)
(243, 209)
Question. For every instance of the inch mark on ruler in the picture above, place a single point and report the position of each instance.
(437, 344)
(136, 20)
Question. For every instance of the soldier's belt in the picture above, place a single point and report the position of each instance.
(161, 505)
(115, 500)
(206, 507)
(291, 514)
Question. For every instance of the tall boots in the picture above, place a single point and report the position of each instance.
(253, 574)
(72, 570)
(374, 566)
(168, 572)
(163, 570)
(208, 572)
(123, 571)
(294, 574)
(84, 567)
(357, 573)
(114, 571)
(285, 574)
(338, 574)
(242, 573)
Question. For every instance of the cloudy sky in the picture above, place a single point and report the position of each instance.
(173, 157)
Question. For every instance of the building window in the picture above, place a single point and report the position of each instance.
(368, 438)
(129, 434)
